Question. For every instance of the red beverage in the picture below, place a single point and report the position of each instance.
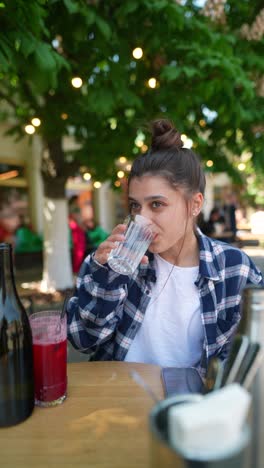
(50, 370)
(49, 333)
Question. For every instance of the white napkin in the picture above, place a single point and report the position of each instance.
(211, 427)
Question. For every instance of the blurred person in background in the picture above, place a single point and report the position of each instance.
(9, 222)
(95, 234)
(215, 226)
(229, 211)
(78, 236)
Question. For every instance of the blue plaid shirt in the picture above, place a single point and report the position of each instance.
(107, 309)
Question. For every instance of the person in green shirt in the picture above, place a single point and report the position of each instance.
(95, 234)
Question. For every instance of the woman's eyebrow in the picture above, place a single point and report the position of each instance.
(150, 197)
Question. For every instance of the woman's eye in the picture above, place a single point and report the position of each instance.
(134, 206)
(156, 204)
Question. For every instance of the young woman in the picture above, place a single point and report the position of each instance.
(181, 306)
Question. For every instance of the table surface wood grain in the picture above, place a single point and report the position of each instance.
(102, 423)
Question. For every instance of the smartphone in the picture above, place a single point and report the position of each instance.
(181, 380)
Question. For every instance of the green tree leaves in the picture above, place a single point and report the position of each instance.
(197, 63)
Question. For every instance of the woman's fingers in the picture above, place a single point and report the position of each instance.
(117, 235)
(144, 260)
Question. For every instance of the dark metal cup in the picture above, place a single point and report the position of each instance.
(164, 455)
(252, 325)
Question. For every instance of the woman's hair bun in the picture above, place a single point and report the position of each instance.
(165, 135)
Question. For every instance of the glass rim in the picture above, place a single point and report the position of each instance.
(46, 313)
(138, 219)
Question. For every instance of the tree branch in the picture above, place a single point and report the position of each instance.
(28, 95)
(8, 99)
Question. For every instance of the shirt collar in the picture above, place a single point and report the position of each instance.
(209, 266)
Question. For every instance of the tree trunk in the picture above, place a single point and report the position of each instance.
(57, 271)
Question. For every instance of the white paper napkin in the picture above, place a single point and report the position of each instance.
(212, 427)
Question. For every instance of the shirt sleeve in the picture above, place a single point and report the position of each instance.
(96, 307)
(255, 276)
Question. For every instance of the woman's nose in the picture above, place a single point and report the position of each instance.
(145, 212)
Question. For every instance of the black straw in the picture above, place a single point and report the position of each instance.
(64, 307)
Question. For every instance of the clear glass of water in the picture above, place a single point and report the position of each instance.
(125, 258)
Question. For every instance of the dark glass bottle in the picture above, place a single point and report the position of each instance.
(16, 350)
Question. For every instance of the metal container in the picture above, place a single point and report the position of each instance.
(164, 455)
(252, 320)
(252, 325)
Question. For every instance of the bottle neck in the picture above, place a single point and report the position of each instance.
(7, 282)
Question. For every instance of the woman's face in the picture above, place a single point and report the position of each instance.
(166, 208)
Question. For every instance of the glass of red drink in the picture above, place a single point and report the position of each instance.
(49, 333)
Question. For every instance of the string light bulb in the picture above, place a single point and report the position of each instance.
(97, 184)
(241, 166)
(30, 129)
(152, 83)
(137, 53)
(209, 163)
(87, 176)
(120, 174)
(36, 122)
(122, 159)
(144, 148)
(76, 82)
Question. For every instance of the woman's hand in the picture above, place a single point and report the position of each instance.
(104, 249)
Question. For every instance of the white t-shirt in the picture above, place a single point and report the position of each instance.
(172, 333)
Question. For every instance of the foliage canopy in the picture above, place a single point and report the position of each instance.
(207, 75)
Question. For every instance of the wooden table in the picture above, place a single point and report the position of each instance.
(102, 423)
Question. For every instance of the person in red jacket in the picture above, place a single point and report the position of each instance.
(78, 235)
(9, 222)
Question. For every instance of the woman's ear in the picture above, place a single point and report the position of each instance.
(197, 204)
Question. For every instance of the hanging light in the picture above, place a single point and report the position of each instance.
(209, 163)
(87, 176)
(120, 174)
(241, 166)
(122, 159)
(152, 83)
(97, 184)
(30, 129)
(76, 82)
(188, 143)
(137, 53)
(36, 122)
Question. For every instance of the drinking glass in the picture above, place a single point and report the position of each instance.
(49, 333)
(125, 258)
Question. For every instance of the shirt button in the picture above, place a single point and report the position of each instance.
(147, 291)
(133, 327)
